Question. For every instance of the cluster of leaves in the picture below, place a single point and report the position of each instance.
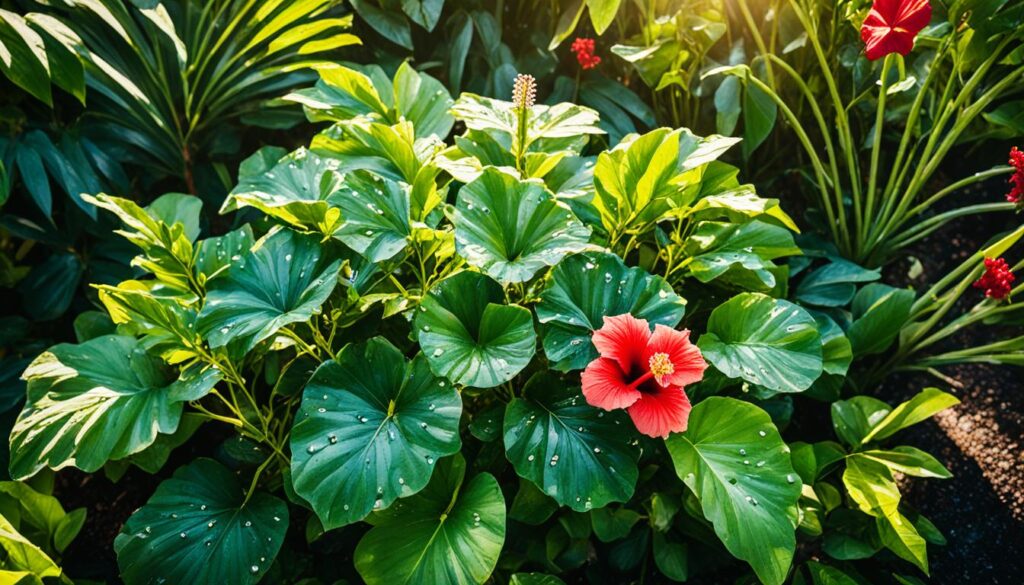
(155, 96)
(391, 337)
(386, 347)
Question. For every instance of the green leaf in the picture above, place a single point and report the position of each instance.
(469, 336)
(391, 25)
(870, 484)
(172, 208)
(737, 204)
(671, 557)
(39, 517)
(22, 558)
(634, 182)
(284, 279)
(584, 289)
(910, 461)
(370, 427)
(199, 527)
(297, 190)
(167, 249)
(765, 341)
(921, 407)
(733, 459)
(534, 579)
(738, 254)
(63, 47)
(214, 255)
(48, 290)
(100, 400)
(157, 313)
(759, 114)
(611, 525)
(834, 284)
(879, 312)
(450, 532)
(579, 455)
(23, 57)
(423, 100)
(825, 575)
(511, 229)
(853, 419)
(602, 13)
(376, 210)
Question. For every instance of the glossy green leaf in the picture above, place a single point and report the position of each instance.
(602, 13)
(199, 527)
(22, 558)
(284, 279)
(451, 532)
(377, 218)
(879, 312)
(511, 229)
(23, 58)
(297, 190)
(738, 254)
(765, 341)
(834, 284)
(369, 430)
(733, 459)
(100, 400)
(470, 336)
(584, 289)
(579, 455)
(921, 407)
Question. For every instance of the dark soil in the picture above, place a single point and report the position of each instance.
(981, 440)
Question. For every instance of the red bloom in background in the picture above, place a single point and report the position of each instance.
(891, 26)
(584, 49)
(997, 280)
(644, 373)
(1016, 194)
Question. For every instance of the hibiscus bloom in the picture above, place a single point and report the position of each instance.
(643, 372)
(997, 281)
(891, 26)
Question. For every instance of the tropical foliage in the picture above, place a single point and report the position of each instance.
(473, 303)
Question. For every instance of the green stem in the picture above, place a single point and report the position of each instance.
(876, 149)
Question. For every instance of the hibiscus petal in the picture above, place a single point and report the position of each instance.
(605, 386)
(663, 411)
(914, 15)
(687, 361)
(623, 339)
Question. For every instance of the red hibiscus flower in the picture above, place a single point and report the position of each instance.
(997, 280)
(584, 49)
(644, 373)
(891, 26)
(1016, 194)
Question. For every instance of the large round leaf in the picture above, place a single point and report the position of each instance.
(294, 189)
(282, 280)
(733, 459)
(448, 533)
(97, 401)
(765, 341)
(581, 456)
(376, 214)
(585, 288)
(510, 228)
(370, 428)
(469, 336)
(199, 528)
